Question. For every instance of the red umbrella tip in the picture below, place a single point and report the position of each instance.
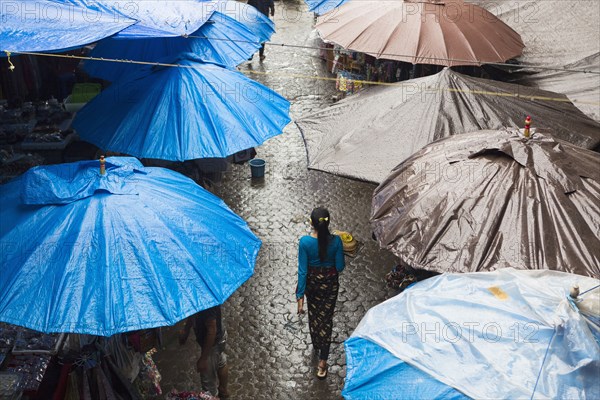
(527, 126)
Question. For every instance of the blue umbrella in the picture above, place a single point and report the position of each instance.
(196, 110)
(38, 25)
(504, 334)
(230, 36)
(101, 254)
(323, 6)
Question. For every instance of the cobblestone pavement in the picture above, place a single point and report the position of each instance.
(269, 349)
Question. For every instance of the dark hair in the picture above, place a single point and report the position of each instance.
(319, 218)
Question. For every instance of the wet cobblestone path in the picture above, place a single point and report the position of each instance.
(269, 350)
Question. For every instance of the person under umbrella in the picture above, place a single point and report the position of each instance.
(211, 337)
(264, 6)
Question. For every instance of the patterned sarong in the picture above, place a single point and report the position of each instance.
(321, 294)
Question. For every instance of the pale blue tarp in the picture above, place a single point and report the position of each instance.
(155, 18)
(198, 110)
(101, 254)
(39, 25)
(506, 334)
(323, 6)
(230, 36)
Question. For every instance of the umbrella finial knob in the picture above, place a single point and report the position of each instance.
(574, 292)
(102, 165)
(11, 65)
(526, 132)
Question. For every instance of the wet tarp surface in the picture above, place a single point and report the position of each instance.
(506, 334)
(200, 110)
(555, 32)
(583, 89)
(493, 199)
(374, 373)
(367, 134)
(558, 33)
(102, 254)
(230, 36)
(155, 18)
(38, 25)
(448, 33)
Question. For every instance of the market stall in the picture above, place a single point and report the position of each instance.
(25, 357)
(100, 287)
(26, 128)
(35, 365)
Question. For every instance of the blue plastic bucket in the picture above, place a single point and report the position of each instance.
(257, 167)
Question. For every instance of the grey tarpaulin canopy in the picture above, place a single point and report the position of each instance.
(493, 199)
(558, 33)
(583, 89)
(366, 135)
(555, 32)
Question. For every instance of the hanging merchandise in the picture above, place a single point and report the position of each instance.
(103, 384)
(348, 82)
(148, 382)
(125, 358)
(336, 64)
(72, 391)
(340, 83)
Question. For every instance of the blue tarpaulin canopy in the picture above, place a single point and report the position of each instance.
(102, 254)
(505, 334)
(39, 25)
(196, 110)
(230, 36)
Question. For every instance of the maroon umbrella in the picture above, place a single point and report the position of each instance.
(493, 199)
(449, 32)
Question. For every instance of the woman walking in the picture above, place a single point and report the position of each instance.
(320, 259)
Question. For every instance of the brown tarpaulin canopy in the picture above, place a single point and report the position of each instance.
(493, 199)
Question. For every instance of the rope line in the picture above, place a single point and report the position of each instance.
(317, 78)
(543, 362)
(470, 62)
(589, 290)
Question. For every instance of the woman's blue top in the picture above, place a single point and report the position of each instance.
(308, 254)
